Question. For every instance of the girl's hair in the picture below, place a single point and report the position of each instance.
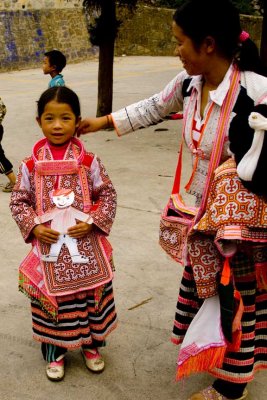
(220, 20)
(61, 94)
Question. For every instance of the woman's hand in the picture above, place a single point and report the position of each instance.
(45, 235)
(88, 125)
(80, 230)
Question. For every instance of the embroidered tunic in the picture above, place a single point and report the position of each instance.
(85, 304)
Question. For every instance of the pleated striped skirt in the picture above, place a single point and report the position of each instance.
(80, 319)
(238, 367)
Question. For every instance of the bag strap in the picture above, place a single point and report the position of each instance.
(218, 142)
(178, 174)
(227, 107)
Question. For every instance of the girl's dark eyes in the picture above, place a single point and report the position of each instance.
(51, 118)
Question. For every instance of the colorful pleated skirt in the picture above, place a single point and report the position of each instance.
(82, 318)
(238, 367)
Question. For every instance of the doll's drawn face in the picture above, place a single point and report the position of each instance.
(63, 200)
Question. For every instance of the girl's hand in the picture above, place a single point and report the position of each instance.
(45, 235)
(92, 125)
(80, 230)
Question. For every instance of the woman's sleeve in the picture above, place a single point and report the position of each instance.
(21, 204)
(152, 110)
(104, 197)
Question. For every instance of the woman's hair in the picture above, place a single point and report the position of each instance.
(61, 94)
(220, 20)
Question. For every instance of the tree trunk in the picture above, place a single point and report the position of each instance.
(263, 50)
(105, 79)
(106, 58)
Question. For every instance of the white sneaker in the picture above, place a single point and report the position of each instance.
(93, 360)
(55, 370)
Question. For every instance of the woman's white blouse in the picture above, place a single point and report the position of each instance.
(171, 99)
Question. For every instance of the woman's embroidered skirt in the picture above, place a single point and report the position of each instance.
(82, 318)
(238, 367)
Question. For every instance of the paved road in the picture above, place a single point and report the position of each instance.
(139, 356)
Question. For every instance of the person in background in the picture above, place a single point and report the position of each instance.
(5, 165)
(216, 55)
(53, 63)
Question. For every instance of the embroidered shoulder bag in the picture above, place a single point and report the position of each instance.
(177, 218)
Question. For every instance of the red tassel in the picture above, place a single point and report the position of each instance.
(236, 342)
(226, 273)
(236, 325)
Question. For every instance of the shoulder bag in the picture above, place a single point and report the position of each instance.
(177, 218)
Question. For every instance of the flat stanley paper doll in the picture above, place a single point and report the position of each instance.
(63, 217)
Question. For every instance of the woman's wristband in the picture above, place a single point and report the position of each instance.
(109, 121)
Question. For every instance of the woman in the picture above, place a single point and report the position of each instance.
(212, 47)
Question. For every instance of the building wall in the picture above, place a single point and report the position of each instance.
(26, 35)
(28, 28)
(8, 5)
(148, 32)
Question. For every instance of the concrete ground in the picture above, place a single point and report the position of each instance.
(140, 359)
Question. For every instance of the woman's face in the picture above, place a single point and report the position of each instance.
(194, 60)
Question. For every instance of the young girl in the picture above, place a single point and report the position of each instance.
(64, 204)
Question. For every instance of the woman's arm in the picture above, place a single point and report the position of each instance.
(94, 124)
(142, 114)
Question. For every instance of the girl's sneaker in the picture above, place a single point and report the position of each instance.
(93, 360)
(55, 370)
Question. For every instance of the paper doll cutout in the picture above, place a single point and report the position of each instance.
(63, 217)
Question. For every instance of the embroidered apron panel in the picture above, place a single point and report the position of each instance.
(233, 212)
(65, 277)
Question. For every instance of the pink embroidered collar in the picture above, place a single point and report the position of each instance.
(57, 167)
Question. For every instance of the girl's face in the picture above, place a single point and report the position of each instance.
(194, 60)
(58, 122)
